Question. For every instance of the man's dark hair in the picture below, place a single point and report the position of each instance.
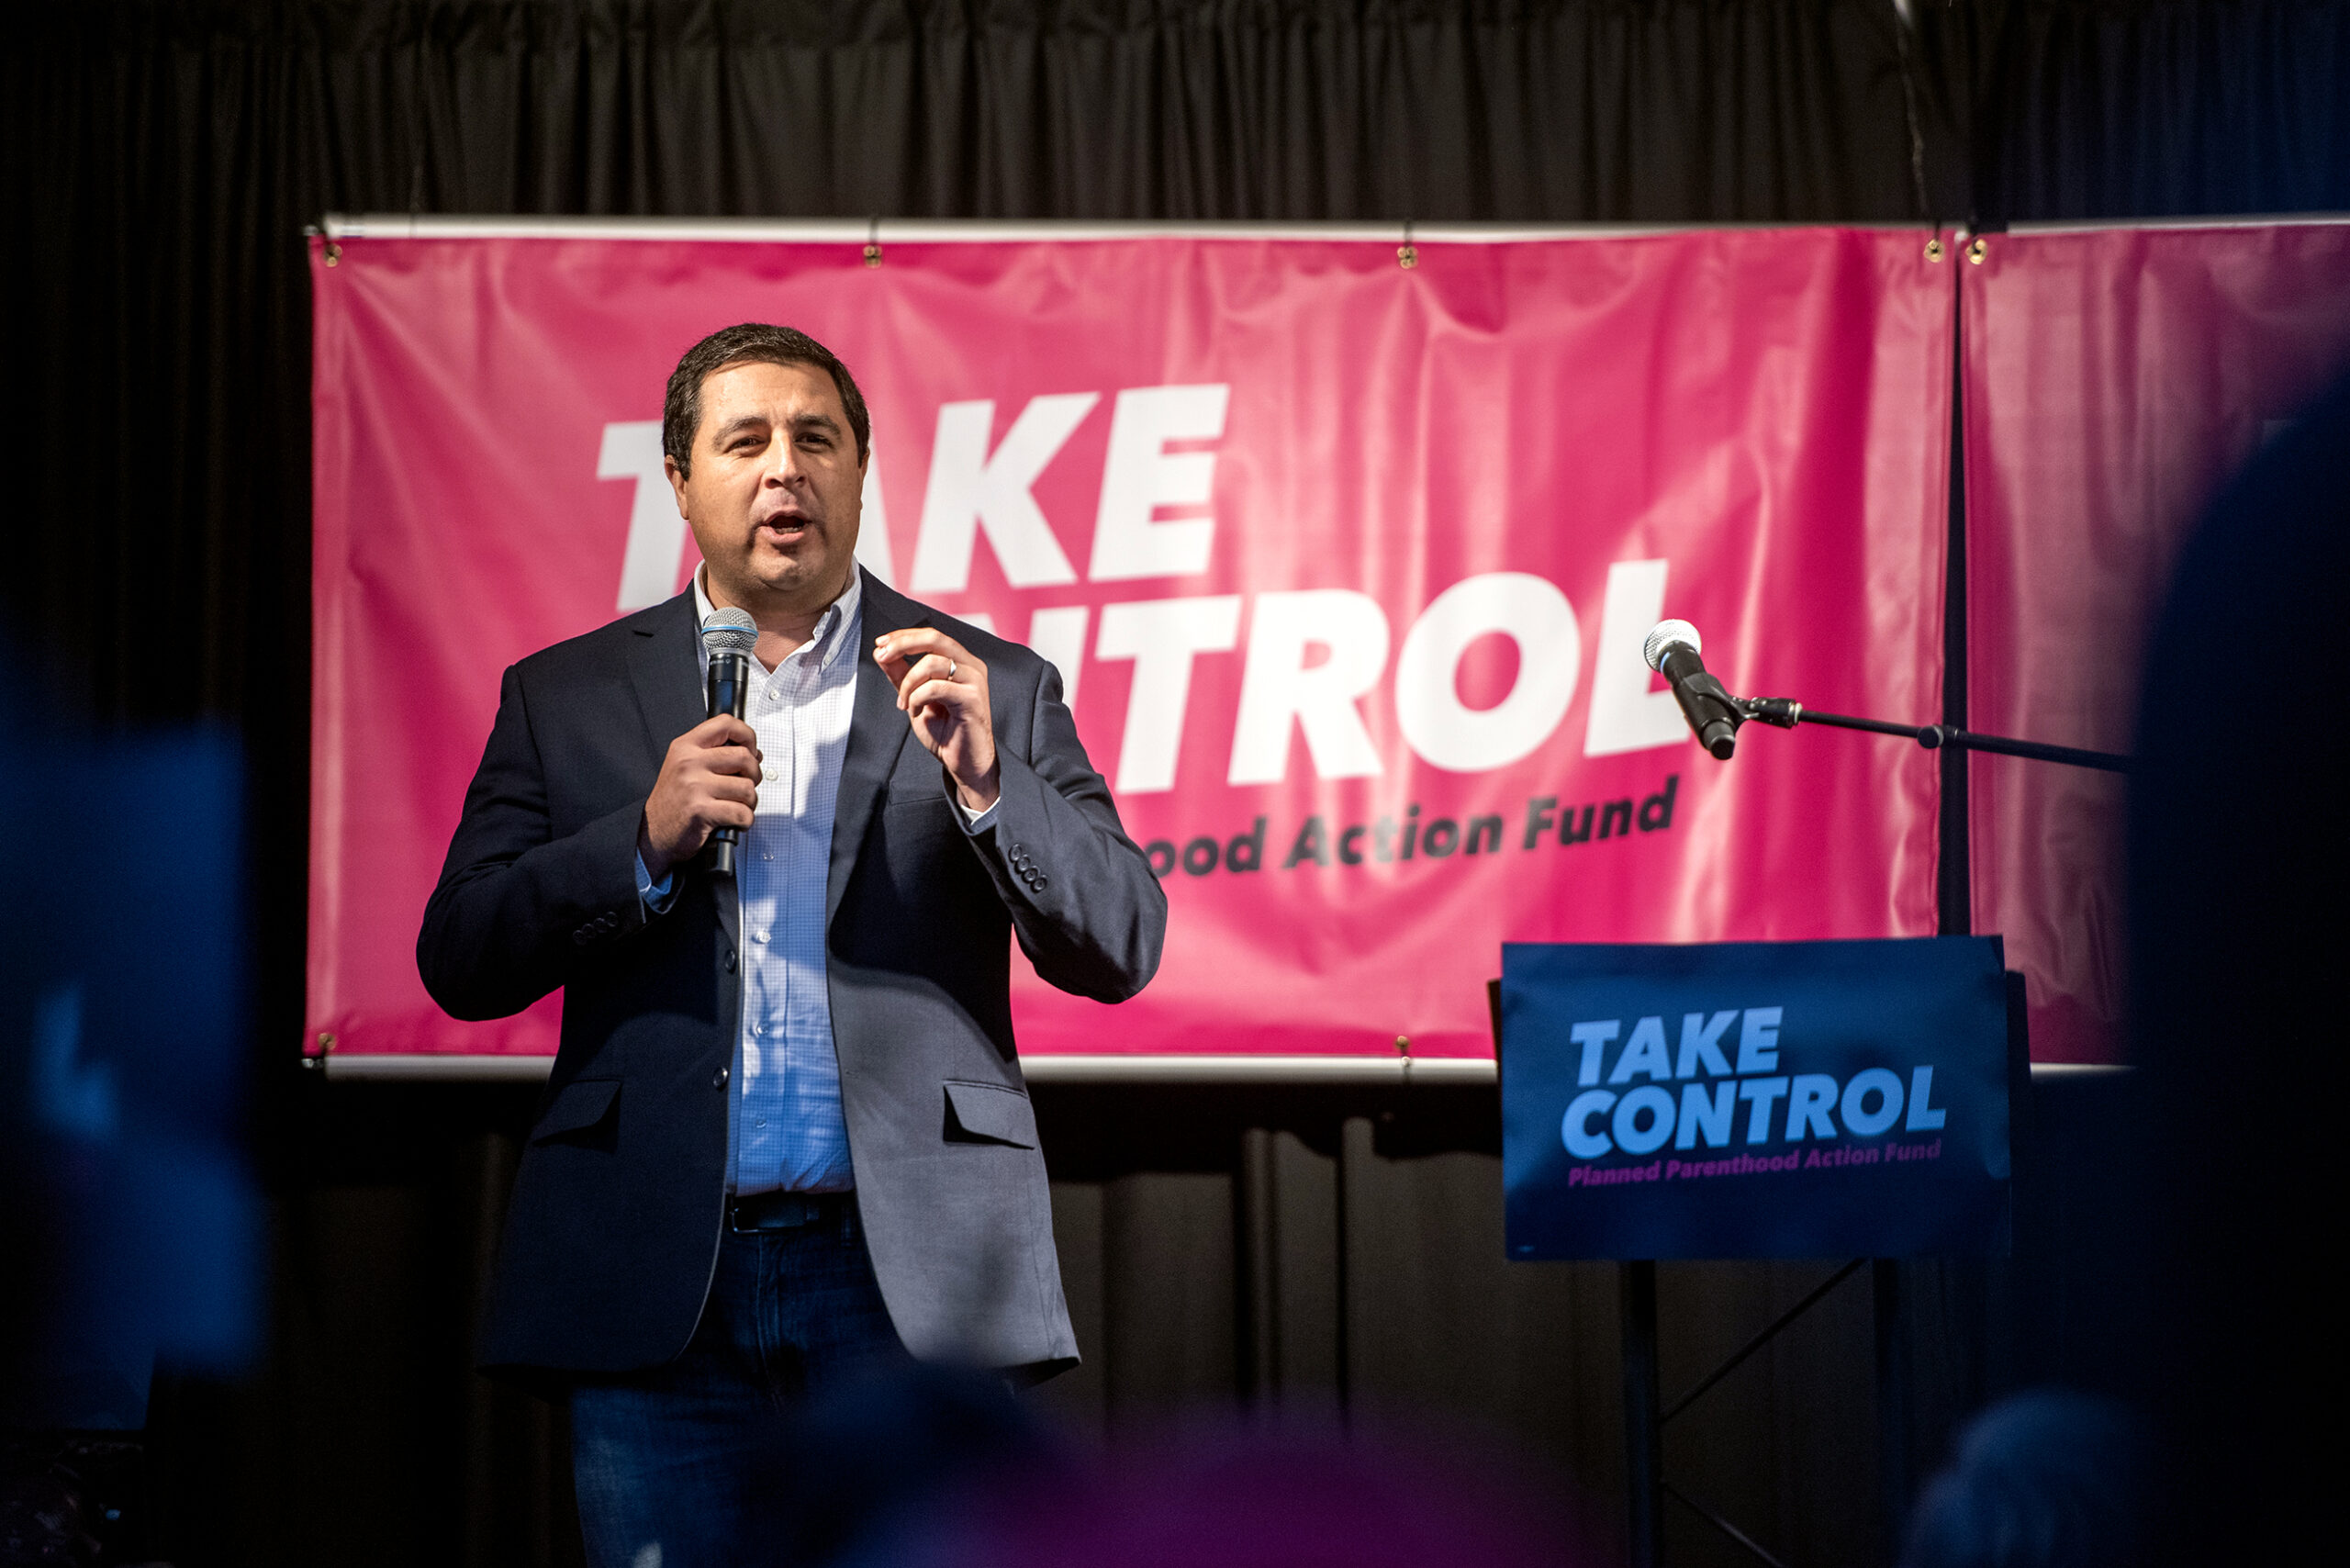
(756, 342)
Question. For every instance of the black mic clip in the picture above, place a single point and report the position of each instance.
(1711, 710)
(1780, 713)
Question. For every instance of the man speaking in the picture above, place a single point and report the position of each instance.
(787, 1134)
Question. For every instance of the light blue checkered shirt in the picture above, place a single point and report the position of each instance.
(784, 1129)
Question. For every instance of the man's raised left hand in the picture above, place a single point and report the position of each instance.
(943, 691)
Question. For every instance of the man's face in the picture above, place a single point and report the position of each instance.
(777, 487)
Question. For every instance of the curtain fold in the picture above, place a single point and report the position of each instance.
(2147, 108)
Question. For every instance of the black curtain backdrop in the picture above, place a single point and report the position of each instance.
(157, 164)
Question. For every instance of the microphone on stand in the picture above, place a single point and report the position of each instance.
(729, 636)
(1713, 714)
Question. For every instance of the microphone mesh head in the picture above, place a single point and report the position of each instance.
(1668, 633)
(729, 632)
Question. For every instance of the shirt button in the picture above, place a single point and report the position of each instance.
(762, 1121)
(758, 936)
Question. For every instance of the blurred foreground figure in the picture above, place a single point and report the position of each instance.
(2044, 1480)
(868, 1459)
(129, 1228)
(2239, 861)
(125, 1212)
(1231, 1497)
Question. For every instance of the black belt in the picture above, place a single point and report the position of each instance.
(787, 1210)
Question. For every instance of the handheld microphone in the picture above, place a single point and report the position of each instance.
(729, 636)
(1713, 714)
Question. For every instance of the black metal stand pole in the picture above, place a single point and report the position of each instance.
(1644, 1417)
(1892, 1398)
(1783, 714)
(1643, 1422)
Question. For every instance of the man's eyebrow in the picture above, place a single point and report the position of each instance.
(818, 420)
(739, 422)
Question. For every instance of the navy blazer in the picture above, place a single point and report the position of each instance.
(614, 1226)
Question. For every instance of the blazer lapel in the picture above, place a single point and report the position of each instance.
(877, 734)
(665, 663)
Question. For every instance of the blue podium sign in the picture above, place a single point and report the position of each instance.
(1755, 1099)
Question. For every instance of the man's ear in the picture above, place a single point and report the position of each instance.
(677, 484)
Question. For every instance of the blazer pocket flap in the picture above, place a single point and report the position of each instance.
(581, 1106)
(983, 1110)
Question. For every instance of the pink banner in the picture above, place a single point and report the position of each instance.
(2114, 379)
(1345, 566)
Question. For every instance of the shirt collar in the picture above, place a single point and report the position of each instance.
(832, 633)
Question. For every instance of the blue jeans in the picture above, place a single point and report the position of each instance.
(679, 1467)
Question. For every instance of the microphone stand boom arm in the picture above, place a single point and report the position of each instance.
(1784, 713)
